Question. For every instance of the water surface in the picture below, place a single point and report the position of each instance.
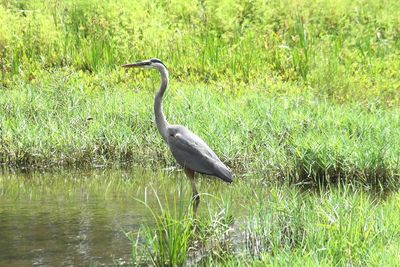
(76, 217)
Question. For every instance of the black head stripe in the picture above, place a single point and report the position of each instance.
(156, 60)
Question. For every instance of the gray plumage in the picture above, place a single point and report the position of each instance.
(189, 150)
(192, 152)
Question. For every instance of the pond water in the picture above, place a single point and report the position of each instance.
(77, 217)
(81, 217)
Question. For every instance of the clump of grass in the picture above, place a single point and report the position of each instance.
(168, 244)
(271, 228)
(177, 237)
(214, 230)
(168, 239)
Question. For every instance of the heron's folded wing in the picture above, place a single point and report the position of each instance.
(192, 152)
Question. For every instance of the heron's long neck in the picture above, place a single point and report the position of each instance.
(161, 122)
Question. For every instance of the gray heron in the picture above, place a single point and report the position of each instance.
(189, 150)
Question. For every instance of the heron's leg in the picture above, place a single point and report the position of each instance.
(196, 198)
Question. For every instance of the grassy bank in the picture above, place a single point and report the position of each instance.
(300, 91)
(297, 136)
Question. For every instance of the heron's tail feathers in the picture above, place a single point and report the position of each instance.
(223, 172)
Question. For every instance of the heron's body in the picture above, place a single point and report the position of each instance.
(189, 150)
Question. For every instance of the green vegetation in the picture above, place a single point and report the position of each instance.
(296, 137)
(299, 92)
(273, 88)
(343, 50)
(274, 225)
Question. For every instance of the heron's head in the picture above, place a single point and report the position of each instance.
(150, 63)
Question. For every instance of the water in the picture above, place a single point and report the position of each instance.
(76, 217)
(79, 217)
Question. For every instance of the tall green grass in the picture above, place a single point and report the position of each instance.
(277, 225)
(177, 237)
(342, 50)
(302, 91)
(300, 137)
(166, 243)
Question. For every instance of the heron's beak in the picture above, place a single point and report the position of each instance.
(139, 64)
